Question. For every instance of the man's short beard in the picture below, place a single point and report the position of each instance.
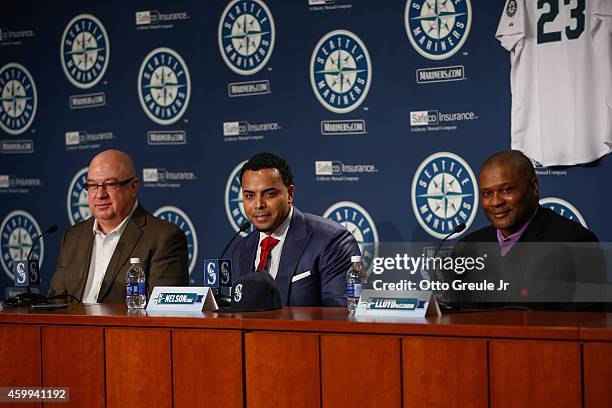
(273, 228)
(270, 229)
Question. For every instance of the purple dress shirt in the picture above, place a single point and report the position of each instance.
(506, 244)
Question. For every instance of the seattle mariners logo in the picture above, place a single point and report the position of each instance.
(437, 29)
(238, 292)
(177, 217)
(233, 200)
(246, 36)
(211, 274)
(511, 8)
(359, 223)
(21, 273)
(76, 201)
(225, 272)
(340, 71)
(34, 272)
(562, 207)
(19, 100)
(85, 51)
(17, 233)
(164, 86)
(444, 194)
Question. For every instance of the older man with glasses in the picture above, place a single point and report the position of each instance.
(95, 254)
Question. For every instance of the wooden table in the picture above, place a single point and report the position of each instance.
(309, 357)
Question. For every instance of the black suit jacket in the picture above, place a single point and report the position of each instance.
(546, 269)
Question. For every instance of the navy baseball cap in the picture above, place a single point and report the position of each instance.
(254, 292)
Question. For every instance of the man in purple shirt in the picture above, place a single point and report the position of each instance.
(543, 273)
(509, 195)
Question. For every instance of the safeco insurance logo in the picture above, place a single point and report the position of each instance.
(434, 120)
(242, 131)
(14, 184)
(153, 19)
(335, 170)
(162, 178)
(82, 139)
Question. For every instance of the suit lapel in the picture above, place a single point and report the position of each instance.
(517, 266)
(295, 242)
(85, 258)
(130, 237)
(534, 230)
(247, 256)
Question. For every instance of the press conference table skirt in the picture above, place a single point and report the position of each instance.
(307, 357)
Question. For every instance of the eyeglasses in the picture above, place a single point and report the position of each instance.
(106, 186)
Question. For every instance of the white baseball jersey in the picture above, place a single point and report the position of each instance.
(561, 79)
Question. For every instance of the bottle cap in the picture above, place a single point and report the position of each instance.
(355, 258)
(134, 260)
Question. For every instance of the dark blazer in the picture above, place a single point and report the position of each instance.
(313, 244)
(160, 245)
(546, 273)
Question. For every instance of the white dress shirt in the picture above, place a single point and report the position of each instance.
(101, 253)
(279, 233)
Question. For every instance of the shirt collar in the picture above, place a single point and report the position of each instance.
(512, 239)
(281, 231)
(119, 228)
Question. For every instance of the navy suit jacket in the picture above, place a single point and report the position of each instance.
(313, 244)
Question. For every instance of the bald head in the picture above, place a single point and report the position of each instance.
(514, 159)
(120, 162)
(509, 190)
(113, 176)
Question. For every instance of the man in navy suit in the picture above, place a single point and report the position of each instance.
(307, 255)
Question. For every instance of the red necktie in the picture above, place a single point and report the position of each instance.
(266, 247)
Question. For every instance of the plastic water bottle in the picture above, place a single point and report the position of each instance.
(136, 297)
(356, 280)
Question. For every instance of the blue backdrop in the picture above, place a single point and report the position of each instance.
(384, 109)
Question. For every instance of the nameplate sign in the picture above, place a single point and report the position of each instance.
(392, 303)
(181, 299)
